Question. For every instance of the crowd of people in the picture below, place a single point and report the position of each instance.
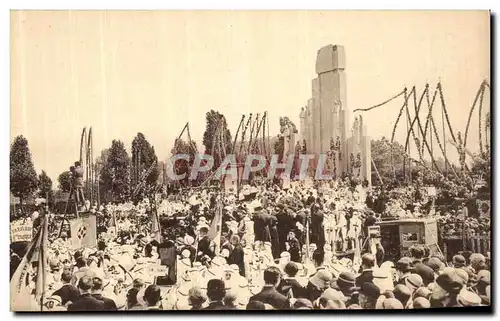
(265, 247)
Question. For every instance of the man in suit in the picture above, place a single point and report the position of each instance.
(237, 256)
(367, 265)
(68, 292)
(269, 294)
(97, 287)
(205, 244)
(289, 286)
(86, 302)
(216, 291)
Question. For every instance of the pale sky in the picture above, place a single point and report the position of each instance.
(152, 71)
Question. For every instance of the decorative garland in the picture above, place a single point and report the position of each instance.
(429, 114)
(446, 112)
(471, 111)
(480, 111)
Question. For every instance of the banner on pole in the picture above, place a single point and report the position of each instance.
(83, 232)
(21, 231)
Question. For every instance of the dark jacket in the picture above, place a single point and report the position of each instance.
(204, 247)
(291, 287)
(238, 257)
(262, 226)
(68, 292)
(270, 296)
(365, 277)
(215, 305)
(86, 302)
(313, 293)
(109, 305)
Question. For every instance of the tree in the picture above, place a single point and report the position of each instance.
(64, 180)
(45, 186)
(381, 155)
(143, 157)
(212, 138)
(23, 178)
(115, 176)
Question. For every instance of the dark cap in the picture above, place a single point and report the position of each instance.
(370, 290)
(450, 282)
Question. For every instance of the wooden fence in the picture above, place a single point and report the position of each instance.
(451, 245)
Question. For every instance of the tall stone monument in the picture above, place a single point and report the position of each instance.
(324, 123)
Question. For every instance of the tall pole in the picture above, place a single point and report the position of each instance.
(444, 141)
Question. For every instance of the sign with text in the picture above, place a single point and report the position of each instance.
(157, 269)
(21, 231)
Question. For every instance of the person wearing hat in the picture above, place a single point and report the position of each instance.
(421, 303)
(446, 289)
(402, 293)
(216, 291)
(413, 282)
(368, 295)
(477, 262)
(86, 302)
(468, 299)
(367, 265)
(188, 244)
(458, 261)
(269, 294)
(403, 269)
(330, 299)
(318, 282)
(346, 283)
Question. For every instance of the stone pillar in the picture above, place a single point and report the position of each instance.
(310, 127)
(316, 117)
(366, 154)
(330, 67)
(303, 124)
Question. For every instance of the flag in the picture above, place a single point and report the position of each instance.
(21, 298)
(155, 228)
(83, 232)
(214, 233)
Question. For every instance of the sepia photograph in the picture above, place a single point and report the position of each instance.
(166, 160)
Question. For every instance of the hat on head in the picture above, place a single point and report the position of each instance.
(414, 281)
(421, 303)
(450, 282)
(435, 264)
(321, 279)
(468, 299)
(392, 304)
(404, 264)
(425, 272)
(369, 290)
(458, 261)
(332, 295)
(463, 275)
(188, 240)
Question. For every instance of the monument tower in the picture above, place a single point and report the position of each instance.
(324, 123)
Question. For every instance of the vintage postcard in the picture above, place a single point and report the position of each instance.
(250, 160)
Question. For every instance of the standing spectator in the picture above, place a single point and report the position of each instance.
(269, 294)
(86, 302)
(68, 292)
(109, 304)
